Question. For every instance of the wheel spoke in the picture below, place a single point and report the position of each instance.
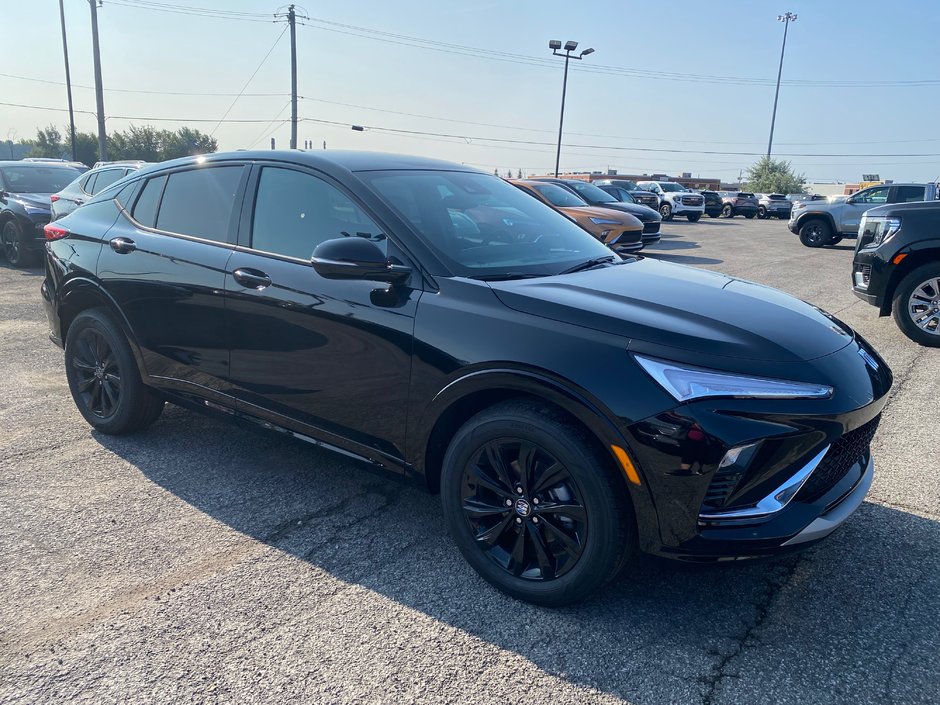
(518, 553)
(571, 546)
(475, 508)
(95, 402)
(493, 534)
(575, 512)
(541, 553)
(84, 384)
(525, 465)
(495, 458)
(492, 485)
(80, 364)
(550, 477)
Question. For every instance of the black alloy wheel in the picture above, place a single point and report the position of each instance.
(14, 248)
(727, 211)
(533, 506)
(815, 233)
(98, 378)
(103, 376)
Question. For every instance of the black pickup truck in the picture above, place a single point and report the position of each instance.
(897, 266)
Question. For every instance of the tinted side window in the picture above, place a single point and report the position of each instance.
(105, 179)
(145, 210)
(909, 194)
(123, 196)
(874, 195)
(89, 183)
(295, 212)
(199, 202)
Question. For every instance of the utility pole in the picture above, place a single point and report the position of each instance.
(291, 19)
(570, 46)
(68, 78)
(786, 18)
(99, 91)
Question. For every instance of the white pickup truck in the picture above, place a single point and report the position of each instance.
(821, 223)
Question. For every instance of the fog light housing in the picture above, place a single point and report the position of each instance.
(739, 456)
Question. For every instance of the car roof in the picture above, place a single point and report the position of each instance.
(37, 165)
(328, 160)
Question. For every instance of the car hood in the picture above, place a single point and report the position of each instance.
(673, 306)
(644, 213)
(599, 212)
(33, 200)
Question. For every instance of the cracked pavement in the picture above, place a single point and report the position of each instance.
(199, 562)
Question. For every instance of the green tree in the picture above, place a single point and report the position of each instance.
(48, 143)
(86, 148)
(770, 175)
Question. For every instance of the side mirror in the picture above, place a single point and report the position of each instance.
(850, 199)
(356, 258)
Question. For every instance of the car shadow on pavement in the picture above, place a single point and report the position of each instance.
(854, 619)
(668, 247)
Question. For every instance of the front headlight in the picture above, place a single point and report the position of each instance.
(685, 382)
(880, 229)
(604, 221)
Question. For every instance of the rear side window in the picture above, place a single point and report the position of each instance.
(295, 212)
(105, 179)
(199, 202)
(909, 194)
(145, 210)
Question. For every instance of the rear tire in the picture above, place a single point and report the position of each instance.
(665, 210)
(727, 211)
(103, 376)
(534, 506)
(15, 246)
(916, 305)
(815, 233)
(761, 212)
(749, 216)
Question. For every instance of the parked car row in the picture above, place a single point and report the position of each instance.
(34, 191)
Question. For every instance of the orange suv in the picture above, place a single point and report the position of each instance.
(621, 232)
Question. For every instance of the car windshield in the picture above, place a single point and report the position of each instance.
(484, 227)
(592, 193)
(37, 179)
(560, 196)
(668, 186)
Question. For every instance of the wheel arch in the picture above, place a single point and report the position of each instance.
(476, 391)
(817, 215)
(921, 253)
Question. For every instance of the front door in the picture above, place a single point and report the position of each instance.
(855, 207)
(324, 357)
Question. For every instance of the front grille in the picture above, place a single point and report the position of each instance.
(843, 454)
(692, 200)
(651, 227)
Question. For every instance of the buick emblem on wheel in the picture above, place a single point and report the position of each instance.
(522, 507)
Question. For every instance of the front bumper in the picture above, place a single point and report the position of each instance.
(811, 468)
(683, 209)
(871, 274)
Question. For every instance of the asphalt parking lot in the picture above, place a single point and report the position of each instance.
(198, 562)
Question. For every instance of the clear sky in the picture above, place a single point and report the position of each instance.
(669, 82)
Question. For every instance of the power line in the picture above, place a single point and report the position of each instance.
(134, 117)
(250, 79)
(146, 92)
(192, 11)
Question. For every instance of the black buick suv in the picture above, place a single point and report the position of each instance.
(570, 406)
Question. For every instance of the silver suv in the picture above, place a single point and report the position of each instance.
(675, 199)
(820, 223)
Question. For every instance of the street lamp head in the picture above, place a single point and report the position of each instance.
(587, 51)
(571, 46)
(554, 44)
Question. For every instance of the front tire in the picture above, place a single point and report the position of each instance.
(916, 305)
(694, 217)
(665, 210)
(534, 508)
(103, 376)
(727, 211)
(815, 233)
(14, 246)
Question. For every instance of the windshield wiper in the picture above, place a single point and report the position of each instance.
(505, 276)
(587, 264)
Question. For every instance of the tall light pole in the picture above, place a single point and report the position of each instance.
(570, 46)
(68, 79)
(99, 91)
(786, 18)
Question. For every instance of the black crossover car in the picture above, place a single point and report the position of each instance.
(897, 266)
(25, 188)
(569, 405)
(595, 196)
(714, 205)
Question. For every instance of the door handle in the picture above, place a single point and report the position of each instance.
(252, 278)
(122, 245)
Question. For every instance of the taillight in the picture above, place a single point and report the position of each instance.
(53, 198)
(55, 232)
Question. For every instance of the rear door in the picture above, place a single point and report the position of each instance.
(907, 194)
(328, 358)
(164, 265)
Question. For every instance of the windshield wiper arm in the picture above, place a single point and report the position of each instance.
(505, 276)
(587, 264)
